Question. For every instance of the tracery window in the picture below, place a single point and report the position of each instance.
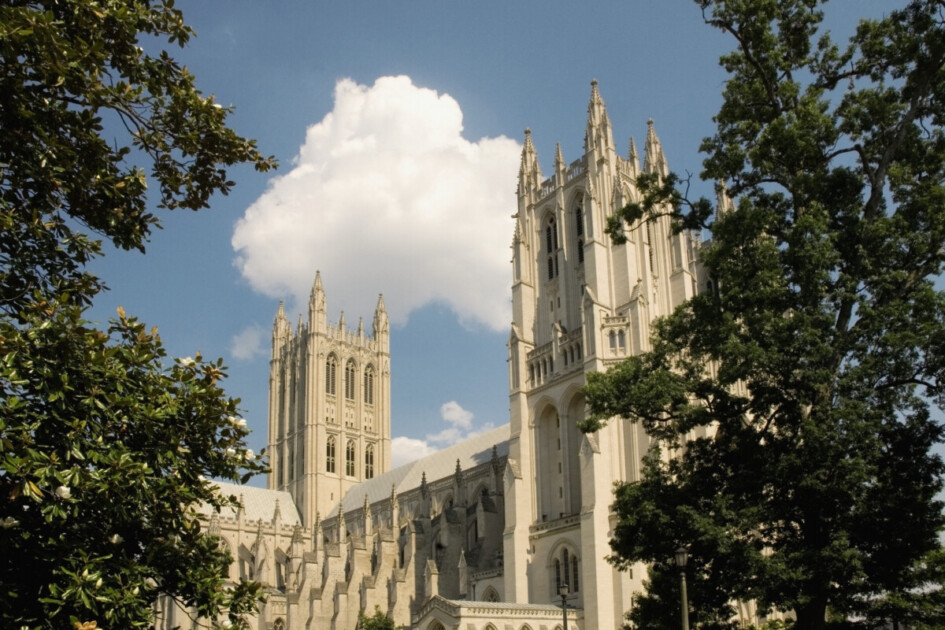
(566, 571)
(369, 386)
(551, 247)
(369, 462)
(330, 365)
(349, 459)
(330, 454)
(349, 379)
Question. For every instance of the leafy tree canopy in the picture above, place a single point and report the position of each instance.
(797, 402)
(105, 443)
(377, 621)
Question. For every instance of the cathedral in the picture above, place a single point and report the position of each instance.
(492, 533)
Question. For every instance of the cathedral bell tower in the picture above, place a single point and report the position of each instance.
(580, 304)
(329, 405)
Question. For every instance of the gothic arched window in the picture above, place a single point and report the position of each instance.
(369, 386)
(369, 462)
(349, 379)
(330, 365)
(566, 571)
(349, 459)
(330, 454)
(551, 248)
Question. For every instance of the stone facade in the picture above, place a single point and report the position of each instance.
(478, 536)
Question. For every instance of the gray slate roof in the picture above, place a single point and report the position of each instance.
(473, 452)
(258, 504)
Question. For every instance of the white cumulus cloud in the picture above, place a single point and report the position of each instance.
(460, 427)
(248, 343)
(386, 196)
(404, 450)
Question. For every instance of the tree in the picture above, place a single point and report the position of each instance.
(377, 621)
(105, 443)
(813, 366)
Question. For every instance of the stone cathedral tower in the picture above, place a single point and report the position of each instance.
(329, 406)
(580, 304)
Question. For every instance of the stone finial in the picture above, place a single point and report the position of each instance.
(529, 173)
(633, 158)
(559, 157)
(598, 134)
(381, 322)
(723, 203)
(281, 331)
(342, 524)
(368, 517)
(276, 514)
(394, 508)
(653, 159)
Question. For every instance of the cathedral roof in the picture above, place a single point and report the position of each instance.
(473, 452)
(258, 504)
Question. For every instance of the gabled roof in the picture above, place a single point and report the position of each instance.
(258, 504)
(473, 452)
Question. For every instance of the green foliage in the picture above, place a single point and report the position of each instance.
(105, 444)
(814, 366)
(377, 621)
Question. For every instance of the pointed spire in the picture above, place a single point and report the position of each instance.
(368, 517)
(361, 327)
(276, 514)
(723, 203)
(529, 173)
(342, 523)
(598, 134)
(559, 157)
(341, 322)
(424, 491)
(653, 159)
(381, 321)
(633, 158)
(394, 508)
(317, 296)
(281, 330)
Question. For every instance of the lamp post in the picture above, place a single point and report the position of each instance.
(682, 556)
(563, 591)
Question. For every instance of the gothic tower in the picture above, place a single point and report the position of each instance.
(580, 304)
(329, 405)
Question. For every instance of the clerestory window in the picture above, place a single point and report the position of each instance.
(330, 365)
(349, 459)
(350, 371)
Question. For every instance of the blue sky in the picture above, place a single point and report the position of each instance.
(398, 127)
